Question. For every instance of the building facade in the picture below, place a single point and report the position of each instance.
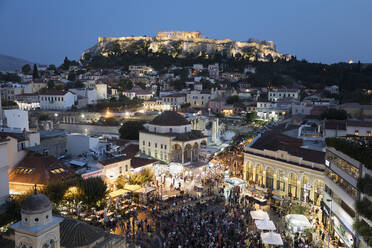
(169, 138)
(57, 100)
(288, 171)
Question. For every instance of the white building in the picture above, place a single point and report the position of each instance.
(16, 118)
(332, 89)
(200, 99)
(28, 101)
(101, 91)
(169, 138)
(138, 92)
(174, 100)
(4, 179)
(276, 94)
(214, 70)
(79, 143)
(90, 94)
(57, 100)
(140, 70)
(359, 128)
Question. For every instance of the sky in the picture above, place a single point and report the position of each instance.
(327, 31)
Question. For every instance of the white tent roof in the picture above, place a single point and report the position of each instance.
(297, 220)
(259, 215)
(265, 224)
(271, 238)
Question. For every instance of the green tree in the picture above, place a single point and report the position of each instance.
(252, 116)
(66, 64)
(35, 72)
(130, 130)
(26, 69)
(51, 84)
(334, 114)
(232, 99)
(125, 84)
(52, 67)
(94, 190)
(71, 76)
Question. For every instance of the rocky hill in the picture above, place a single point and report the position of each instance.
(180, 46)
(11, 64)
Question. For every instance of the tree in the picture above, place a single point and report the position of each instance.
(71, 76)
(130, 130)
(334, 114)
(232, 99)
(51, 84)
(125, 84)
(252, 116)
(66, 64)
(52, 67)
(26, 69)
(94, 190)
(35, 72)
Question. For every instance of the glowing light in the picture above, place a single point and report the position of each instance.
(55, 114)
(108, 114)
(82, 116)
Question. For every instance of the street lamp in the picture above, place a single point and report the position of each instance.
(330, 220)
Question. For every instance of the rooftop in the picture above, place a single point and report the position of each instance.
(170, 118)
(114, 160)
(40, 170)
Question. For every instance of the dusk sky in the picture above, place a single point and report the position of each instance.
(46, 31)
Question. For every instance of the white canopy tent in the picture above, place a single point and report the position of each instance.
(271, 238)
(265, 224)
(297, 222)
(259, 215)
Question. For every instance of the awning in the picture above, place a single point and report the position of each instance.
(118, 192)
(259, 215)
(265, 224)
(271, 238)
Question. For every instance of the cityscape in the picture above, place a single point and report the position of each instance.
(180, 138)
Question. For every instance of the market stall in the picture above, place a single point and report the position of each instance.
(265, 224)
(297, 223)
(271, 238)
(259, 215)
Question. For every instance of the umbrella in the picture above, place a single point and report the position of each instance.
(271, 238)
(259, 215)
(265, 224)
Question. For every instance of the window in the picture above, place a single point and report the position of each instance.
(149, 143)
(368, 133)
(356, 133)
(170, 130)
(143, 143)
(155, 129)
(126, 167)
(185, 129)
(165, 146)
(161, 146)
(120, 170)
(156, 145)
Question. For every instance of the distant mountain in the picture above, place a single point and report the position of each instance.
(11, 64)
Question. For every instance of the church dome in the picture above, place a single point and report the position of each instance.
(36, 204)
(170, 118)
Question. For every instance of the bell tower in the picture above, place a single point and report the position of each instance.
(38, 227)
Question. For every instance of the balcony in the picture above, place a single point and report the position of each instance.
(341, 192)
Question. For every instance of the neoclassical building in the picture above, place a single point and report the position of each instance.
(169, 138)
(280, 163)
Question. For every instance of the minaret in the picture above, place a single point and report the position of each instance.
(38, 227)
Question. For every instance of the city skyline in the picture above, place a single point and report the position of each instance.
(46, 32)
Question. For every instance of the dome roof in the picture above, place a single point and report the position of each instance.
(75, 233)
(169, 118)
(36, 204)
